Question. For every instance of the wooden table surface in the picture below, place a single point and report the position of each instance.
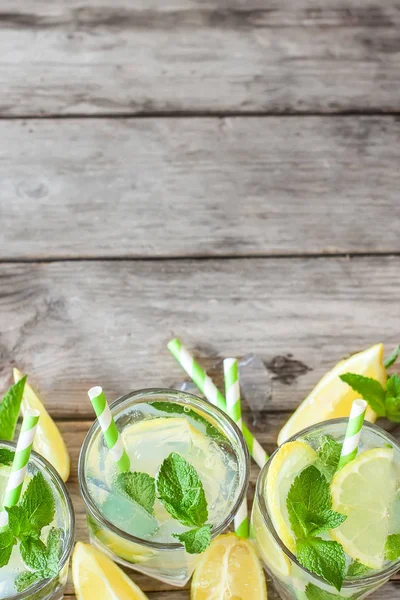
(225, 171)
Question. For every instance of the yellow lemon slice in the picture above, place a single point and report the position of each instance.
(228, 570)
(332, 398)
(267, 548)
(288, 462)
(129, 551)
(364, 490)
(96, 576)
(48, 440)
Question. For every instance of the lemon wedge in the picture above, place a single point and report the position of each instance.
(364, 491)
(48, 440)
(228, 570)
(96, 576)
(332, 398)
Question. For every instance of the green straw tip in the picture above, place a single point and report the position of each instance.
(173, 343)
(32, 412)
(95, 391)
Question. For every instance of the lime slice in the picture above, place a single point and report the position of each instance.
(364, 490)
(228, 570)
(332, 398)
(288, 462)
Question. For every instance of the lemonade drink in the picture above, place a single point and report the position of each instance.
(155, 424)
(37, 586)
(365, 495)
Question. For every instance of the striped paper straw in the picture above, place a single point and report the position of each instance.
(109, 428)
(353, 432)
(20, 462)
(234, 410)
(213, 395)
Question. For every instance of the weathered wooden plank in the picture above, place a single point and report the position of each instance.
(199, 187)
(73, 324)
(137, 57)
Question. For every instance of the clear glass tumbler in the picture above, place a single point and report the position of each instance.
(290, 579)
(51, 588)
(154, 423)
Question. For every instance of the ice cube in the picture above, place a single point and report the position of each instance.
(255, 383)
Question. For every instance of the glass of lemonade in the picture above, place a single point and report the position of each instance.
(367, 493)
(38, 587)
(153, 424)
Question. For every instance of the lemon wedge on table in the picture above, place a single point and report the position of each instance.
(95, 576)
(48, 440)
(364, 490)
(332, 398)
(228, 570)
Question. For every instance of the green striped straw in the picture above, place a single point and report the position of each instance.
(109, 428)
(20, 462)
(213, 395)
(353, 432)
(234, 410)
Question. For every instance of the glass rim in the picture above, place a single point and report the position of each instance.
(376, 576)
(69, 542)
(175, 396)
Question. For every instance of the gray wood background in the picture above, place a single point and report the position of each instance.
(226, 172)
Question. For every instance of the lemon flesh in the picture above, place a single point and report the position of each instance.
(48, 440)
(332, 398)
(229, 570)
(96, 576)
(364, 490)
(288, 462)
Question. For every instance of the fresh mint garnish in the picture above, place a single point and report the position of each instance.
(139, 487)
(357, 569)
(25, 580)
(392, 358)
(326, 558)
(328, 456)
(6, 457)
(38, 503)
(392, 399)
(9, 410)
(195, 540)
(7, 542)
(369, 389)
(181, 491)
(33, 552)
(315, 593)
(392, 547)
(178, 409)
(42, 558)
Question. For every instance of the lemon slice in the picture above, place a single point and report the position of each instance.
(48, 441)
(332, 398)
(129, 551)
(266, 546)
(229, 570)
(364, 490)
(96, 576)
(288, 462)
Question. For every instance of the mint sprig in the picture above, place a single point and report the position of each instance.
(328, 456)
(309, 505)
(195, 540)
(357, 569)
(6, 457)
(9, 410)
(386, 403)
(7, 542)
(392, 547)
(139, 487)
(42, 558)
(315, 593)
(392, 358)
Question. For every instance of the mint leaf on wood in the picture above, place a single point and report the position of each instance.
(357, 569)
(25, 580)
(139, 487)
(195, 540)
(392, 358)
(324, 558)
(7, 541)
(315, 593)
(369, 389)
(6, 457)
(328, 456)
(392, 547)
(181, 491)
(392, 400)
(38, 502)
(9, 410)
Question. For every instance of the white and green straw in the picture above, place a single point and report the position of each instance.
(20, 462)
(353, 432)
(109, 428)
(213, 395)
(234, 410)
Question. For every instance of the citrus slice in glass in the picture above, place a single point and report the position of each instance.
(364, 490)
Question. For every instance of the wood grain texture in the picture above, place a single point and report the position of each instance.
(230, 55)
(199, 187)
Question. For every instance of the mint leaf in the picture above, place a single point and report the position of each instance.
(357, 569)
(369, 389)
(315, 593)
(324, 558)
(25, 580)
(392, 547)
(139, 487)
(53, 553)
(38, 502)
(18, 521)
(177, 409)
(309, 504)
(7, 542)
(392, 358)
(33, 553)
(9, 410)
(181, 491)
(328, 456)
(392, 400)
(6, 457)
(195, 540)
